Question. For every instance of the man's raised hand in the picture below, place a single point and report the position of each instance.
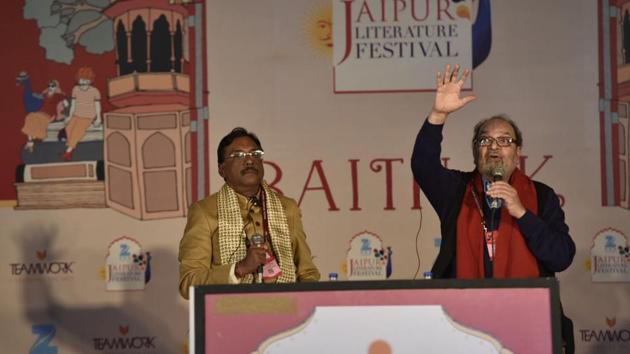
(448, 94)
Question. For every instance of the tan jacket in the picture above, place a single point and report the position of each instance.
(199, 255)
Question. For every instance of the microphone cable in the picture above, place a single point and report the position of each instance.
(417, 248)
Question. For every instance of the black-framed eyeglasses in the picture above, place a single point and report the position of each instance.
(502, 141)
(240, 155)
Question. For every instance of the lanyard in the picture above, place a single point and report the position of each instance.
(266, 232)
(489, 236)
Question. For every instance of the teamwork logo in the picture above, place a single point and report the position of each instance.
(42, 266)
(127, 267)
(612, 334)
(610, 257)
(367, 258)
(124, 341)
(45, 335)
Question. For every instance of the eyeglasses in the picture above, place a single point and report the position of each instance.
(502, 141)
(240, 155)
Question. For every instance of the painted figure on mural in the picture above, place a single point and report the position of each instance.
(246, 232)
(495, 221)
(85, 110)
(42, 109)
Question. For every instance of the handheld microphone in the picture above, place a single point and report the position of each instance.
(254, 200)
(497, 175)
(258, 241)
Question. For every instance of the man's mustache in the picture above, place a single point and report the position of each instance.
(247, 169)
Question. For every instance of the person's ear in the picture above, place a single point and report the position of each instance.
(221, 170)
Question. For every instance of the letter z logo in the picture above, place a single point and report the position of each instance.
(45, 334)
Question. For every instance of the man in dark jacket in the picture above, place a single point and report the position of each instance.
(496, 222)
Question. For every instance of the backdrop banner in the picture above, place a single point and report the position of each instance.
(113, 111)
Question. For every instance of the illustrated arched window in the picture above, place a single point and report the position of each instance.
(124, 67)
(179, 47)
(118, 150)
(160, 46)
(158, 151)
(139, 45)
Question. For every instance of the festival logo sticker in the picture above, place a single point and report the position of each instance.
(610, 257)
(127, 267)
(367, 258)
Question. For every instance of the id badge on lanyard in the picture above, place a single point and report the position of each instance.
(271, 269)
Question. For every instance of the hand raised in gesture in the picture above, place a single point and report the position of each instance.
(448, 94)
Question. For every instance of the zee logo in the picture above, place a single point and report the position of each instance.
(45, 334)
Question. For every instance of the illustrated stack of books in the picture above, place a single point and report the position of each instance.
(46, 181)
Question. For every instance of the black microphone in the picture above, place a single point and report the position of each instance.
(254, 200)
(258, 241)
(497, 175)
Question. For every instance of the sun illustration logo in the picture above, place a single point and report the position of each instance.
(462, 10)
(379, 347)
(318, 28)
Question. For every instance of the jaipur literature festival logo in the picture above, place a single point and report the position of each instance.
(367, 258)
(378, 43)
(42, 265)
(610, 257)
(127, 266)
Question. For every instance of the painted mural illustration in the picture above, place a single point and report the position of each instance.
(123, 125)
(122, 140)
(614, 94)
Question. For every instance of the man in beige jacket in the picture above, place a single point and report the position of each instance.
(245, 232)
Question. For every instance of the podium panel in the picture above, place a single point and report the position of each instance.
(379, 317)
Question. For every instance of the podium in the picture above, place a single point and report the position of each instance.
(378, 317)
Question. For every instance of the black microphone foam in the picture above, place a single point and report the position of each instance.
(497, 173)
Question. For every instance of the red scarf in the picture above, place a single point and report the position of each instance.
(513, 259)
